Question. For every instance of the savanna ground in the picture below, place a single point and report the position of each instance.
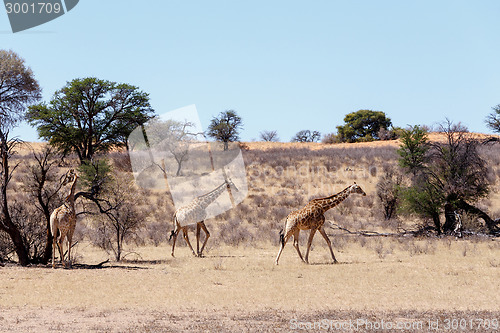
(418, 282)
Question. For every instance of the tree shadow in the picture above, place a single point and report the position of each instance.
(339, 263)
(101, 265)
(147, 262)
(223, 256)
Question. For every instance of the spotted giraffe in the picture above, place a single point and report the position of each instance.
(63, 222)
(193, 215)
(311, 217)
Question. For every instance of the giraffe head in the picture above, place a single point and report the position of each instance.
(230, 184)
(70, 177)
(355, 188)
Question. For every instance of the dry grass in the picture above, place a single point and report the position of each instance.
(236, 287)
(232, 287)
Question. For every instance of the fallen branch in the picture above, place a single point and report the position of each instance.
(420, 231)
(85, 266)
(369, 233)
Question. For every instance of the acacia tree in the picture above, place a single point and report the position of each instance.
(18, 89)
(422, 199)
(363, 125)
(493, 122)
(460, 173)
(269, 136)
(306, 136)
(225, 127)
(448, 176)
(89, 116)
(172, 137)
(493, 119)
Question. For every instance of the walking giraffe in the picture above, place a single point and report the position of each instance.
(194, 214)
(63, 222)
(312, 217)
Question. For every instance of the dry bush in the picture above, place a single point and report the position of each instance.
(5, 247)
(331, 138)
(157, 227)
(388, 188)
(339, 241)
(472, 223)
(31, 223)
(378, 247)
(119, 217)
(120, 161)
(233, 232)
(155, 232)
(418, 247)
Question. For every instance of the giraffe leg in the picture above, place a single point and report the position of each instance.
(198, 228)
(69, 237)
(174, 235)
(296, 243)
(184, 232)
(207, 235)
(60, 246)
(282, 246)
(54, 230)
(54, 245)
(325, 236)
(59, 250)
(309, 242)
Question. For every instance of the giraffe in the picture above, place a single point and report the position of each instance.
(192, 216)
(311, 218)
(63, 222)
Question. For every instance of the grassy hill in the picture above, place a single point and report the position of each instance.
(283, 177)
(237, 286)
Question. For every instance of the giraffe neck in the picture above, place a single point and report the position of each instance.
(210, 197)
(71, 197)
(332, 201)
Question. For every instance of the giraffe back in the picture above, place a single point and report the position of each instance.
(63, 219)
(303, 218)
(190, 214)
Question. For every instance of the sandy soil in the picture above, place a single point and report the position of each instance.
(240, 289)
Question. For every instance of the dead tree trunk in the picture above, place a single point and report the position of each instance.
(437, 222)
(450, 221)
(6, 223)
(490, 223)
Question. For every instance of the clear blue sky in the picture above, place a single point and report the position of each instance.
(282, 65)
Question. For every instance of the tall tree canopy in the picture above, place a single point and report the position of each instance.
(18, 88)
(225, 127)
(493, 122)
(413, 149)
(89, 115)
(306, 136)
(450, 174)
(363, 125)
(493, 119)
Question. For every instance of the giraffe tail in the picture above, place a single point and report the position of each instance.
(171, 235)
(282, 237)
